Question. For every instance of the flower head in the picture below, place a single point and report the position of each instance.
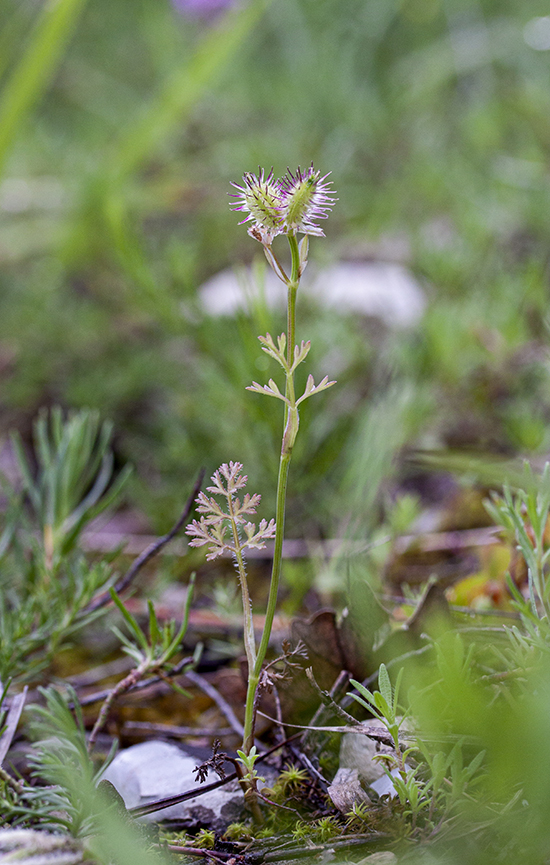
(307, 197)
(284, 206)
(260, 197)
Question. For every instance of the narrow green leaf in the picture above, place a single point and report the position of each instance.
(472, 767)
(385, 685)
(129, 647)
(36, 67)
(185, 621)
(396, 691)
(130, 621)
(362, 690)
(183, 89)
(155, 637)
(382, 705)
(24, 468)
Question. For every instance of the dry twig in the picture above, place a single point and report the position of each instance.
(215, 695)
(148, 553)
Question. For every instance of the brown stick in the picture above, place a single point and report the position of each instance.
(97, 696)
(148, 728)
(215, 695)
(147, 554)
(126, 684)
(160, 804)
(205, 854)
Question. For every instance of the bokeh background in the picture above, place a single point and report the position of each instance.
(122, 123)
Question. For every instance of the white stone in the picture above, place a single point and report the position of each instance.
(384, 290)
(346, 791)
(384, 785)
(358, 752)
(34, 847)
(372, 288)
(156, 770)
(232, 290)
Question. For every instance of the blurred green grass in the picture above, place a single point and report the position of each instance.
(433, 116)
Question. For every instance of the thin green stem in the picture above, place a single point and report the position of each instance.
(289, 433)
(284, 466)
(291, 298)
(249, 639)
(291, 414)
(254, 674)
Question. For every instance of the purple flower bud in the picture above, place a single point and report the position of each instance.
(284, 206)
(206, 9)
(260, 197)
(307, 197)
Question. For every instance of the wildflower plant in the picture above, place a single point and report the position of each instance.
(289, 206)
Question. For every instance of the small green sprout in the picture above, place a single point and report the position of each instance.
(358, 816)
(327, 828)
(238, 832)
(248, 761)
(291, 778)
(265, 832)
(205, 839)
(320, 830)
(151, 652)
(302, 831)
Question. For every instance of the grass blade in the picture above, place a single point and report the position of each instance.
(34, 71)
(183, 89)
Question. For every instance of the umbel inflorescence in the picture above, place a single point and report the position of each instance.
(284, 206)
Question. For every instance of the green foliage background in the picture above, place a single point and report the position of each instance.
(122, 126)
(122, 123)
